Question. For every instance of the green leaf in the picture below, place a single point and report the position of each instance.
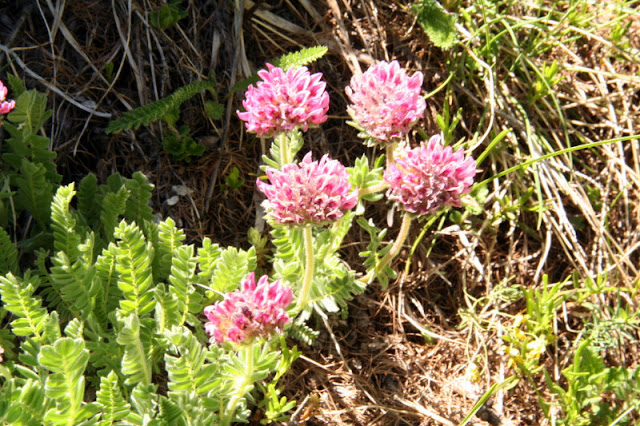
(67, 358)
(169, 239)
(154, 111)
(138, 209)
(233, 268)
(301, 57)
(8, 254)
(31, 109)
(137, 345)
(214, 110)
(89, 202)
(183, 271)
(208, 258)
(35, 191)
(109, 396)
(16, 85)
(168, 15)
(133, 256)
(439, 25)
(18, 298)
(63, 224)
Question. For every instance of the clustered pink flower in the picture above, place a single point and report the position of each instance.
(5, 106)
(386, 101)
(315, 192)
(254, 311)
(425, 178)
(283, 101)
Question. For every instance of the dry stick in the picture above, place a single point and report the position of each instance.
(49, 86)
(113, 81)
(237, 33)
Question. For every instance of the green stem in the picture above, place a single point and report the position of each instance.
(390, 148)
(381, 186)
(308, 269)
(241, 389)
(395, 249)
(283, 142)
(555, 154)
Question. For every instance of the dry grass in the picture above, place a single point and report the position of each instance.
(402, 356)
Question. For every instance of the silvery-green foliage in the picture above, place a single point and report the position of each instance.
(122, 298)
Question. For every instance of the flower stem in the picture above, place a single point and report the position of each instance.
(381, 186)
(283, 142)
(243, 385)
(395, 249)
(390, 149)
(308, 269)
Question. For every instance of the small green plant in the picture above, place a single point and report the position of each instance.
(233, 180)
(178, 143)
(596, 394)
(168, 15)
(436, 22)
(181, 146)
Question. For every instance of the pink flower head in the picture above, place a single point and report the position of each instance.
(425, 178)
(283, 101)
(315, 192)
(253, 311)
(5, 106)
(386, 101)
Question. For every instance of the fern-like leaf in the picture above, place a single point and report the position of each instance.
(113, 207)
(170, 413)
(188, 372)
(169, 239)
(145, 402)
(74, 281)
(301, 57)
(26, 403)
(35, 191)
(8, 254)
(89, 201)
(208, 258)
(234, 265)
(137, 345)
(166, 311)
(109, 295)
(18, 298)
(133, 265)
(109, 396)
(63, 224)
(183, 271)
(138, 209)
(156, 110)
(67, 359)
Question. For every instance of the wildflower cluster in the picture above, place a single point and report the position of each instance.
(257, 310)
(285, 100)
(386, 102)
(313, 192)
(426, 178)
(308, 202)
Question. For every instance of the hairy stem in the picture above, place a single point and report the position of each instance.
(243, 384)
(379, 187)
(395, 249)
(283, 142)
(309, 267)
(390, 148)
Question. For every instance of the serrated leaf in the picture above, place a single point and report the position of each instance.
(154, 111)
(301, 57)
(439, 25)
